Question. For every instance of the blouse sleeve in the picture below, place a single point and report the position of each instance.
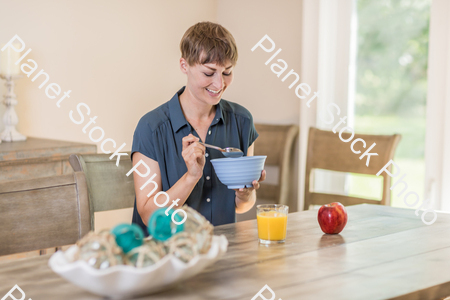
(253, 134)
(143, 140)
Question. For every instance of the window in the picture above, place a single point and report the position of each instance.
(391, 84)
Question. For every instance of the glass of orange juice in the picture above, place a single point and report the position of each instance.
(272, 223)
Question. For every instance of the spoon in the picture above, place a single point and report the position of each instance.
(227, 152)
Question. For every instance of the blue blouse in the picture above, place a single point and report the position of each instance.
(159, 135)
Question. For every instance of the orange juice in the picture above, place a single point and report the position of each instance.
(272, 225)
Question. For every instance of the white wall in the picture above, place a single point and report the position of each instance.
(255, 86)
(119, 57)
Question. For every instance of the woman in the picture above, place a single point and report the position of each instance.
(166, 139)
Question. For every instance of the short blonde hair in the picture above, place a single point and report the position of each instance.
(208, 42)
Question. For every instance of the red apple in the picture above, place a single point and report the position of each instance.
(332, 217)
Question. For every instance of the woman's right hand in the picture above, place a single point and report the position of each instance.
(194, 156)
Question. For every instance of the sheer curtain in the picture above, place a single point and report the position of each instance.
(437, 147)
(326, 67)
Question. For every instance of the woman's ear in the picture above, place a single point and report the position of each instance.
(183, 65)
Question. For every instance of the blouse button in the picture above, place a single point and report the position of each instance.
(209, 132)
(208, 200)
(207, 154)
(207, 177)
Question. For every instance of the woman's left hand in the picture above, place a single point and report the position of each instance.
(245, 193)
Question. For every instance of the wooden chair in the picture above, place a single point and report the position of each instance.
(278, 143)
(108, 186)
(43, 212)
(327, 151)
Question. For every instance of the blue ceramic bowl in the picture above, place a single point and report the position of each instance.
(239, 172)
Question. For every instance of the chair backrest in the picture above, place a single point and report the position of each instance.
(277, 142)
(327, 151)
(43, 212)
(108, 186)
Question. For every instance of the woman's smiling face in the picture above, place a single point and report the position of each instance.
(208, 82)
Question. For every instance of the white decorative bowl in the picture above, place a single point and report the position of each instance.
(123, 281)
(239, 172)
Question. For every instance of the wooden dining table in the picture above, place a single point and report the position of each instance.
(383, 253)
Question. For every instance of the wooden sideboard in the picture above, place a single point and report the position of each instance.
(37, 157)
